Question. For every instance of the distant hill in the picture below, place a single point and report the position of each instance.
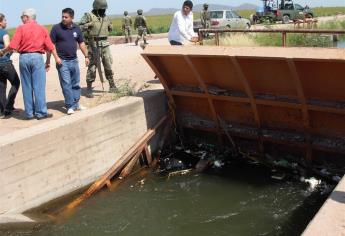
(197, 8)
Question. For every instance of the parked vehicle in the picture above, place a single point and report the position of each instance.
(224, 19)
(280, 10)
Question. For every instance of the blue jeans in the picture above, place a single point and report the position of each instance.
(69, 75)
(33, 78)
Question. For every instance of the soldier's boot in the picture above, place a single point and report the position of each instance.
(89, 93)
(126, 40)
(136, 42)
(130, 39)
(112, 87)
(145, 41)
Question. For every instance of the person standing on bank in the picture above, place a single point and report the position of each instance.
(96, 26)
(127, 26)
(140, 24)
(32, 40)
(67, 36)
(181, 30)
(7, 72)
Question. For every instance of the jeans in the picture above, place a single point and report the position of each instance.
(69, 75)
(8, 72)
(175, 43)
(33, 78)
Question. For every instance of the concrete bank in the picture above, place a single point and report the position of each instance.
(50, 160)
(330, 220)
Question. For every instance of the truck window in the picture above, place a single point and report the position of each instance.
(299, 7)
(228, 15)
(216, 14)
(235, 15)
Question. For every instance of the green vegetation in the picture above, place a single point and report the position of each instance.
(275, 39)
(328, 11)
(157, 24)
(124, 88)
(161, 23)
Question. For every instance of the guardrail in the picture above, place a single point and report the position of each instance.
(284, 32)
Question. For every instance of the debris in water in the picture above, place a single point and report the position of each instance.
(278, 176)
(336, 178)
(313, 183)
(179, 173)
(218, 164)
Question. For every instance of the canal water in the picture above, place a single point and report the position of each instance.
(239, 199)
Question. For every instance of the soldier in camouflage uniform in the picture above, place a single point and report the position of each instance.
(96, 27)
(205, 17)
(140, 23)
(126, 26)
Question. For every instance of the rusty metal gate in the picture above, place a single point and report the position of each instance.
(294, 97)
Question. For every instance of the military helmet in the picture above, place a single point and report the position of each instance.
(205, 5)
(125, 13)
(140, 11)
(100, 4)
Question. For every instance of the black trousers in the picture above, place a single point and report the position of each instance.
(175, 43)
(8, 72)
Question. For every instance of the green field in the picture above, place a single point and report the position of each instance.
(161, 23)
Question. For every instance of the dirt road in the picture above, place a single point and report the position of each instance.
(128, 66)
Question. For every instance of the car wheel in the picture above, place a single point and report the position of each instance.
(286, 19)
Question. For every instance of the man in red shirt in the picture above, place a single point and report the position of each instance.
(32, 40)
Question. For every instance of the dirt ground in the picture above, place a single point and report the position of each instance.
(129, 67)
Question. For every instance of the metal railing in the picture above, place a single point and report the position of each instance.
(284, 32)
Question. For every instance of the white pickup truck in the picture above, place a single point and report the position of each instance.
(224, 19)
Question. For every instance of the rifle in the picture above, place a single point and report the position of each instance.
(97, 55)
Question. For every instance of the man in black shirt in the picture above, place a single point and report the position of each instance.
(67, 36)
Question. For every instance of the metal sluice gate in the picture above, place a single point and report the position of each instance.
(291, 97)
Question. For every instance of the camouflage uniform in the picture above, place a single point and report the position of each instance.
(126, 27)
(96, 27)
(205, 17)
(140, 23)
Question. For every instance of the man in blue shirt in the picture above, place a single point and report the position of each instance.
(67, 36)
(7, 72)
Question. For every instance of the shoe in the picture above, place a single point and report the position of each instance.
(29, 118)
(49, 115)
(2, 116)
(112, 90)
(70, 111)
(8, 113)
(89, 93)
(80, 108)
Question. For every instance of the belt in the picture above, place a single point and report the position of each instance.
(30, 52)
(100, 38)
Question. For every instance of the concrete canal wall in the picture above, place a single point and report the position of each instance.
(45, 162)
(330, 220)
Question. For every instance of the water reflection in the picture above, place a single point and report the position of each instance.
(238, 200)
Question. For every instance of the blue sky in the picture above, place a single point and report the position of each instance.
(49, 11)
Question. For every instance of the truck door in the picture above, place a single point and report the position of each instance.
(230, 20)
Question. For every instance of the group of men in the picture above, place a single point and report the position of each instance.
(140, 24)
(32, 40)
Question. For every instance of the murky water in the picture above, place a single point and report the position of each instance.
(238, 200)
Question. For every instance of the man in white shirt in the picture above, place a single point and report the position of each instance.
(181, 29)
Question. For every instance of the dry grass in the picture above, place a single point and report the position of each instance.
(124, 88)
(237, 39)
